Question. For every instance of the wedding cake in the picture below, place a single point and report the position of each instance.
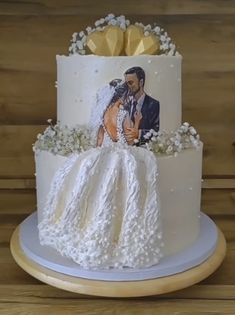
(159, 173)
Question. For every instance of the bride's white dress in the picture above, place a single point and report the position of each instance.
(103, 207)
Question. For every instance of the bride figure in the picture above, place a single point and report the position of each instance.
(103, 208)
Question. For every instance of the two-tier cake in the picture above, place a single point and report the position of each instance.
(119, 176)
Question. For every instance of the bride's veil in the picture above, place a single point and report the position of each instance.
(103, 98)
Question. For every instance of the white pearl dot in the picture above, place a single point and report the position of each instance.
(172, 189)
(149, 61)
(156, 73)
(172, 66)
(190, 188)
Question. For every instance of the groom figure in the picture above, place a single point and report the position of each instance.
(148, 106)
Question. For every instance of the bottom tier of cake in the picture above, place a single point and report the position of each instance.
(179, 191)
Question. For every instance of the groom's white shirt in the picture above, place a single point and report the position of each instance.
(139, 106)
(140, 102)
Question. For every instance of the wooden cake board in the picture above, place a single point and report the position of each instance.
(124, 288)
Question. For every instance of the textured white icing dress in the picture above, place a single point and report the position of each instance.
(103, 207)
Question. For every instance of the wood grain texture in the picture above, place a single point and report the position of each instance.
(218, 201)
(10, 221)
(17, 158)
(28, 83)
(120, 289)
(125, 307)
(12, 274)
(17, 201)
(16, 155)
(38, 293)
(28, 95)
(89, 7)
(29, 41)
(13, 201)
(22, 183)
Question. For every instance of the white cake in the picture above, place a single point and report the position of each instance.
(179, 185)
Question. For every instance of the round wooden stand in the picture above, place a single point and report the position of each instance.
(124, 288)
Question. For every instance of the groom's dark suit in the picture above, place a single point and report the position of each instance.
(150, 120)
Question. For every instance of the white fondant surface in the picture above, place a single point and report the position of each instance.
(46, 165)
(79, 78)
(190, 257)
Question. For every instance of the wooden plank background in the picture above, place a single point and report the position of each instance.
(28, 73)
(31, 34)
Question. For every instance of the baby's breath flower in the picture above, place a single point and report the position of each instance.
(148, 27)
(169, 149)
(123, 26)
(192, 131)
(112, 22)
(97, 23)
(165, 46)
(79, 44)
(81, 34)
(163, 38)
(79, 39)
(102, 20)
(148, 135)
(74, 37)
(109, 17)
(174, 142)
(63, 140)
(157, 29)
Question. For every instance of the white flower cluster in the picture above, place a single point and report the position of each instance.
(78, 41)
(63, 140)
(171, 143)
(166, 45)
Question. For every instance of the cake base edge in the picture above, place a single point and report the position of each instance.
(136, 288)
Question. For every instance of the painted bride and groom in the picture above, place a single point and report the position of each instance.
(142, 111)
(103, 208)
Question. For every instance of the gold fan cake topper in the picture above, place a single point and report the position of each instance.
(116, 36)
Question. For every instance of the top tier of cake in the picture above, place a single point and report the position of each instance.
(105, 52)
(79, 77)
